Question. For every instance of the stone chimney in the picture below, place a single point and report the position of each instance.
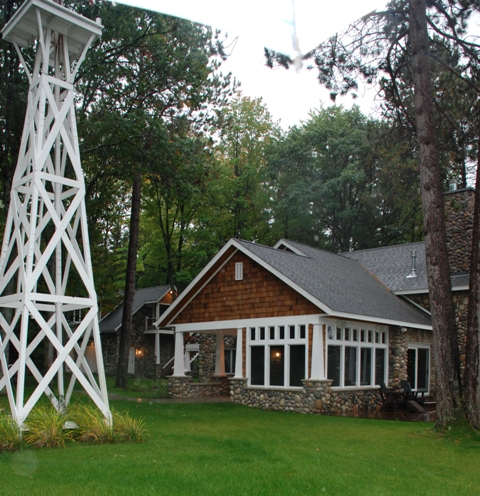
(459, 204)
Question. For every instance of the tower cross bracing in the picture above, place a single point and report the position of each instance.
(45, 264)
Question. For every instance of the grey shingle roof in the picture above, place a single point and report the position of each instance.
(112, 321)
(392, 265)
(339, 282)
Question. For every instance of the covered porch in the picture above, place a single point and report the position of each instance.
(280, 364)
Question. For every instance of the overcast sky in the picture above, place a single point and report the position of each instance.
(289, 95)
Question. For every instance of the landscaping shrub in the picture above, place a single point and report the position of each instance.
(45, 427)
(10, 439)
(90, 424)
(128, 429)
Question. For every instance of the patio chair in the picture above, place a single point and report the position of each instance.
(413, 399)
(409, 394)
(391, 397)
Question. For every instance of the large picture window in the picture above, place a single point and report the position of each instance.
(357, 355)
(277, 355)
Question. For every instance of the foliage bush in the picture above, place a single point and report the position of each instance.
(10, 438)
(90, 424)
(127, 429)
(46, 428)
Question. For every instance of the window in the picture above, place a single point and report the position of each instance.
(257, 363)
(162, 309)
(230, 355)
(277, 365)
(150, 317)
(277, 355)
(418, 366)
(356, 357)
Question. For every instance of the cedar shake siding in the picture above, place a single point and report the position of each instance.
(259, 294)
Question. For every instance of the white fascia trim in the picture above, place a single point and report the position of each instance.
(185, 293)
(376, 320)
(425, 291)
(416, 305)
(410, 292)
(223, 325)
(290, 247)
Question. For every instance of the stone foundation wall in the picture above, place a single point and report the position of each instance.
(184, 387)
(314, 397)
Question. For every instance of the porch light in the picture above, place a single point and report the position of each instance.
(278, 354)
(138, 352)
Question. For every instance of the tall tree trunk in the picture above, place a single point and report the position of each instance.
(127, 328)
(472, 360)
(441, 302)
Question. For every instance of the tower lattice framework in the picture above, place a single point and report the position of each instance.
(45, 266)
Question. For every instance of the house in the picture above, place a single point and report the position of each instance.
(151, 348)
(316, 331)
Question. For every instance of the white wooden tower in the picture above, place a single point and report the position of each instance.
(45, 266)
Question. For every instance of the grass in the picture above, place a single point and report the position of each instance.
(140, 388)
(219, 449)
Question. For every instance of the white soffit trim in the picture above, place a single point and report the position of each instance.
(376, 320)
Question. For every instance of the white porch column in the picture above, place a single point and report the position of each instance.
(186, 358)
(157, 348)
(318, 366)
(220, 355)
(239, 355)
(179, 364)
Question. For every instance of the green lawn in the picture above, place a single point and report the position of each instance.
(224, 449)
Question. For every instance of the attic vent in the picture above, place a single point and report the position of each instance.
(413, 272)
(239, 271)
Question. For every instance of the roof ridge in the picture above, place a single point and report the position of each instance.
(323, 250)
(344, 253)
(276, 250)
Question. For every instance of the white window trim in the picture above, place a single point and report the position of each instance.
(342, 343)
(267, 342)
(424, 346)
